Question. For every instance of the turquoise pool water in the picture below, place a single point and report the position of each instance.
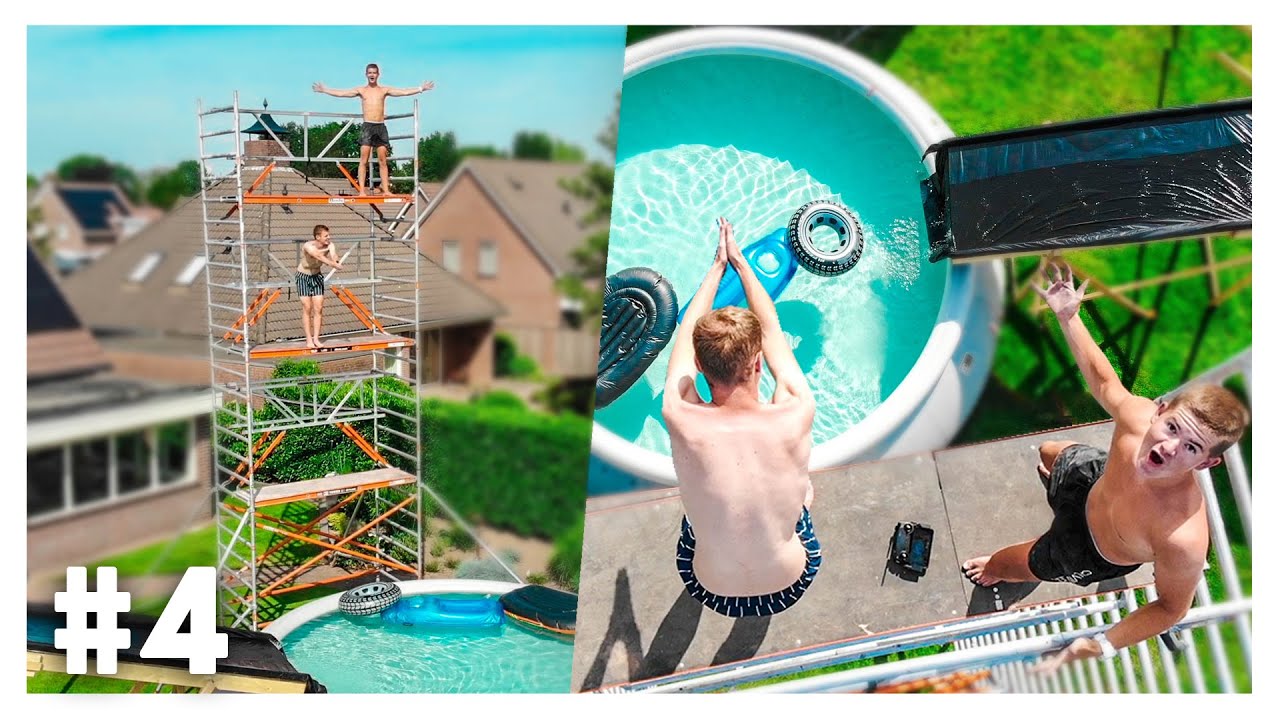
(754, 137)
(365, 655)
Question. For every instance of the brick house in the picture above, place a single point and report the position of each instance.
(508, 228)
(112, 461)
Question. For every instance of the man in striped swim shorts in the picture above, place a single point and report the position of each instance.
(316, 252)
(743, 464)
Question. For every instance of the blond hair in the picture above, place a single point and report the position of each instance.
(1218, 410)
(726, 341)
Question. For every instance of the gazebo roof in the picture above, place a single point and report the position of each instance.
(261, 126)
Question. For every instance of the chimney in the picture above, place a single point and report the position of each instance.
(263, 146)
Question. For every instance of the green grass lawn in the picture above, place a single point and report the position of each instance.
(982, 79)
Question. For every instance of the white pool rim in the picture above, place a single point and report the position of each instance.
(328, 604)
(925, 127)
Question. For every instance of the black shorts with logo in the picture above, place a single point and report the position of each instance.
(1067, 553)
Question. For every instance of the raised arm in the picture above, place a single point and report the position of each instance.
(682, 370)
(791, 382)
(320, 88)
(1064, 298)
(402, 92)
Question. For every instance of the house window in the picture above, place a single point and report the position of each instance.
(189, 273)
(174, 449)
(89, 471)
(452, 258)
(488, 259)
(145, 266)
(45, 489)
(99, 471)
(133, 462)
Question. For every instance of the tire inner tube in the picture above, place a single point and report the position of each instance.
(814, 216)
(369, 599)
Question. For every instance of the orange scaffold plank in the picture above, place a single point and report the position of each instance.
(327, 199)
(356, 343)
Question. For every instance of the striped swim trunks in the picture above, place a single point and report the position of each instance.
(309, 285)
(750, 605)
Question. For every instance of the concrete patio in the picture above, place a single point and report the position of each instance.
(636, 622)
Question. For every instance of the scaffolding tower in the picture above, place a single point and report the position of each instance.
(290, 526)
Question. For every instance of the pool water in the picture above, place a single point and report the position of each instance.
(365, 655)
(752, 138)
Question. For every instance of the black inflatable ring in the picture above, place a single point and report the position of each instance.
(821, 213)
(369, 599)
(639, 318)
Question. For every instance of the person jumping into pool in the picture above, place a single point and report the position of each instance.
(743, 465)
(373, 104)
(317, 251)
(1135, 503)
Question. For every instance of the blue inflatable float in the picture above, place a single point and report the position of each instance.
(445, 612)
(773, 262)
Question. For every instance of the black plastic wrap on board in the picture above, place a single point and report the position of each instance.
(1129, 178)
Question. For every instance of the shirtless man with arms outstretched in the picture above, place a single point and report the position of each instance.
(373, 133)
(1135, 503)
(743, 465)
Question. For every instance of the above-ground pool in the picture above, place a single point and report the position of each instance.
(751, 124)
(352, 654)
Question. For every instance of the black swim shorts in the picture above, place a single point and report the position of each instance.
(374, 135)
(1067, 552)
(750, 605)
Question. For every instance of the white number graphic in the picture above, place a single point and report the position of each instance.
(203, 645)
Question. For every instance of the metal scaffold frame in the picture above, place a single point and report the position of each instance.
(369, 370)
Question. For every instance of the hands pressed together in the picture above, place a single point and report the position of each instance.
(727, 250)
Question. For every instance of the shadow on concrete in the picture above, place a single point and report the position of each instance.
(671, 640)
(1000, 596)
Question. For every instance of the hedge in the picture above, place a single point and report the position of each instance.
(518, 470)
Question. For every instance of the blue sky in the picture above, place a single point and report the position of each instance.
(129, 93)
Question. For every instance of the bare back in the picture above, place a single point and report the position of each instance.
(373, 102)
(1133, 522)
(744, 482)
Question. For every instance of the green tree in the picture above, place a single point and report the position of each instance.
(480, 151)
(95, 168)
(317, 139)
(532, 145)
(32, 182)
(595, 185)
(169, 186)
(565, 152)
(438, 155)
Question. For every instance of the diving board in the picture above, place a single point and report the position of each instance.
(281, 493)
(636, 621)
(1170, 173)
